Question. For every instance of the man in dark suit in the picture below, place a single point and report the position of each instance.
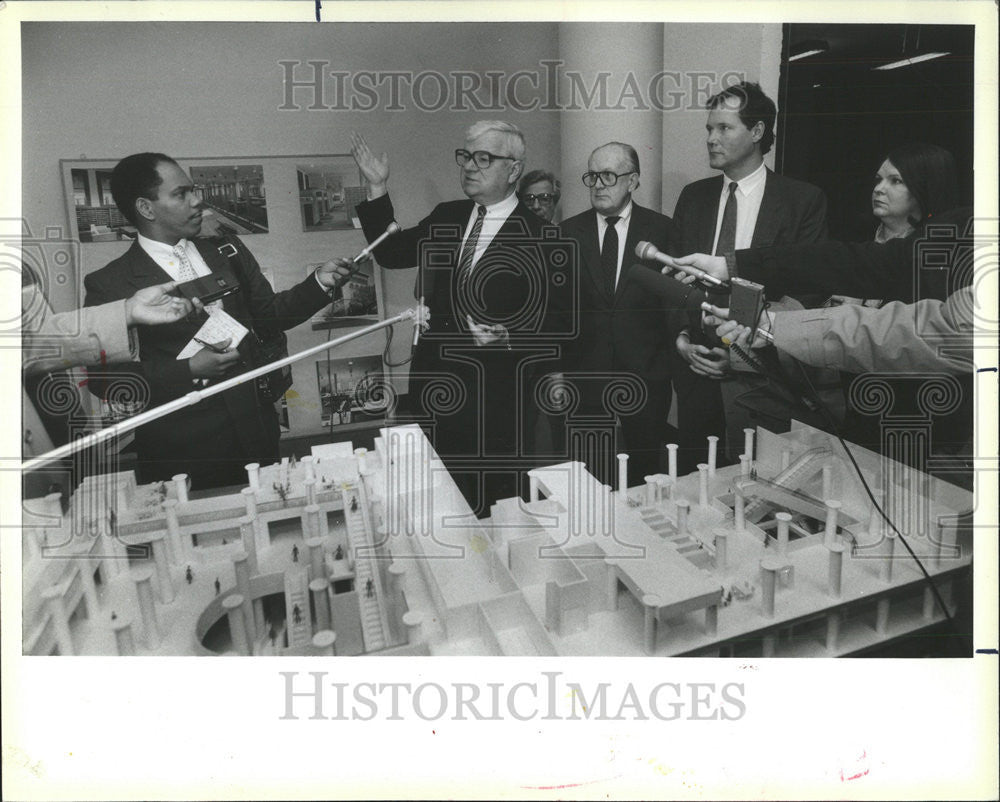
(623, 336)
(486, 279)
(747, 206)
(213, 440)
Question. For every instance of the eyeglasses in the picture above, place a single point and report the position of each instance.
(608, 178)
(545, 198)
(481, 158)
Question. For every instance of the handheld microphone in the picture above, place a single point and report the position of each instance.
(393, 228)
(649, 252)
(416, 326)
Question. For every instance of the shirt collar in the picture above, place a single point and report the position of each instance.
(501, 208)
(747, 184)
(623, 215)
(155, 248)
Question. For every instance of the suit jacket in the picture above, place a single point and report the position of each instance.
(476, 402)
(626, 331)
(790, 211)
(512, 285)
(894, 270)
(182, 439)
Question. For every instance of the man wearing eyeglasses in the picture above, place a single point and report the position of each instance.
(481, 268)
(539, 191)
(622, 333)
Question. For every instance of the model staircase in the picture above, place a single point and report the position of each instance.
(373, 624)
(794, 476)
(297, 593)
(686, 545)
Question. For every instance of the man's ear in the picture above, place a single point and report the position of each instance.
(757, 132)
(145, 208)
(516, 168)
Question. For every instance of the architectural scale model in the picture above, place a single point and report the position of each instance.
(351, 552)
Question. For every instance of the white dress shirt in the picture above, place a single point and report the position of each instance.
(749, 194)
(624, 216)
(163, 255)
(496, 216)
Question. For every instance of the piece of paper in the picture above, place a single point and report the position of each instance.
(220, 326)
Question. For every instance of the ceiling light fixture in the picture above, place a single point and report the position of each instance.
(810, 47)
(906, 62)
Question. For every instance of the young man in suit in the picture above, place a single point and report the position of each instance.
(492, 296)
(747, 206)
(623, 336)
(213, 440)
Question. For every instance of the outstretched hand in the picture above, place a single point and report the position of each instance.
(152, 306)
(374, 168)
(714, 266)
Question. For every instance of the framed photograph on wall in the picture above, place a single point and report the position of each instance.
(356, 303)
(351, 391)
(234, 193)
(231, 189)
(329, 189)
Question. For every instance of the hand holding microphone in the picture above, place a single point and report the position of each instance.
(337, 271)
(698, 266)
(393, 228)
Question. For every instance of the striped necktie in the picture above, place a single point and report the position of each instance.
(469, 249)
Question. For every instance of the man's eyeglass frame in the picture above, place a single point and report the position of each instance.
(589, 178)
(483, 159)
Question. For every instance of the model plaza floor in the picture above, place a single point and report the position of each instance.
(351, 552)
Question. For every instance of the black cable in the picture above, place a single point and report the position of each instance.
(385, 351)
(818, 405)
(836, 431)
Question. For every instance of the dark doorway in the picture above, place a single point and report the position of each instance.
(839, 116)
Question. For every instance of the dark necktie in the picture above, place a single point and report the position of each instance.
(469, 249)
(609, 254)
(727, 231)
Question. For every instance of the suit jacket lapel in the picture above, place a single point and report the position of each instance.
(144, 271)
(710, 208)
(764, 233)
(636, 232)
(590, 256)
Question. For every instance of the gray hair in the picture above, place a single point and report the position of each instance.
(511, 133)
(536, 176)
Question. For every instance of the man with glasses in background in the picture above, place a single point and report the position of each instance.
(539, 191)
(482, 272)
(624, 337)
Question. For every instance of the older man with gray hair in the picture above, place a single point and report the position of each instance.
(484, 278)
(540, 192)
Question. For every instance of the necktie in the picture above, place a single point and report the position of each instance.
(727, 231)
(469, 249)
(186, 273)
(609, 254)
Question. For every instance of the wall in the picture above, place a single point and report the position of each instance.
(215, 90)
(705, 54)
(103, 90)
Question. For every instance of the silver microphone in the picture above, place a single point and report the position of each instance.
(392, 229)
(647, 251)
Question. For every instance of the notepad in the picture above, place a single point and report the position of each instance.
(219, 326)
